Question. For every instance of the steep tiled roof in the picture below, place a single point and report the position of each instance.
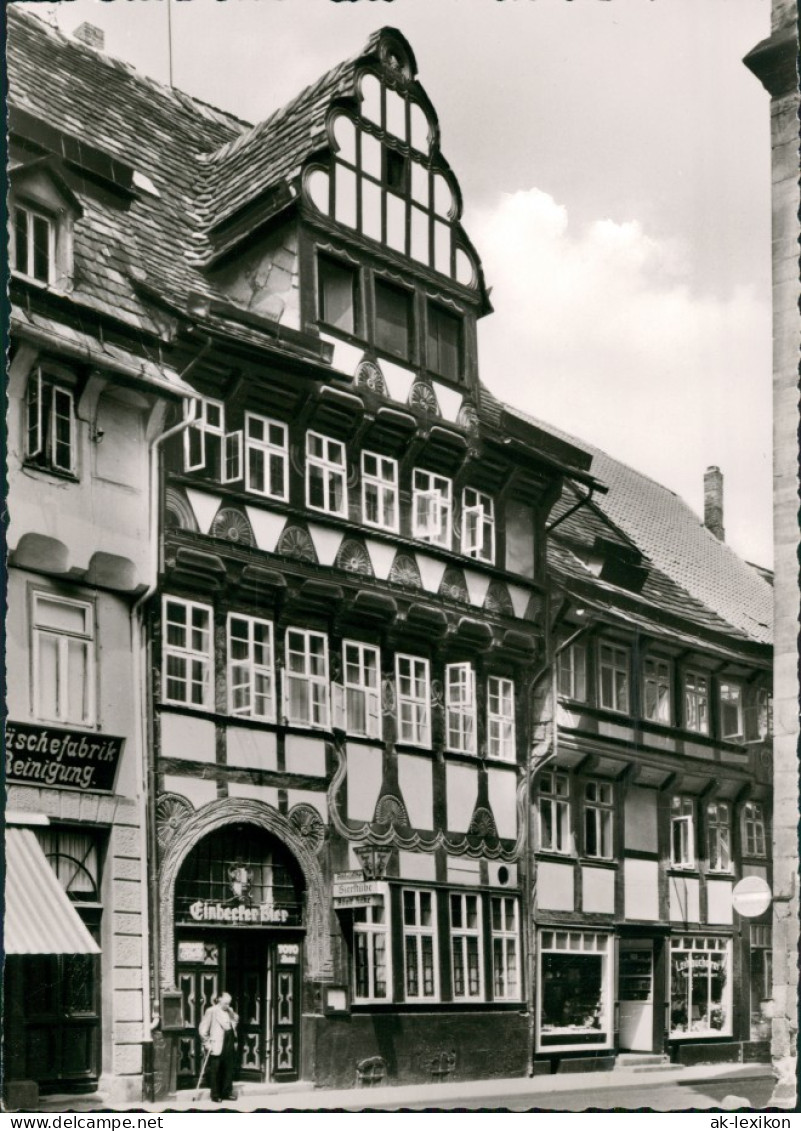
(274, 150)
(698, 572)
(105, 103)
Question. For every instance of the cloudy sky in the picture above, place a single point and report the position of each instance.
(614, 161)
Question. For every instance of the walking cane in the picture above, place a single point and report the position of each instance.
(202, 1070)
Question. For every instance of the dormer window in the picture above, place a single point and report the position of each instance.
(50, 424)
(42, 211)
(33, 245)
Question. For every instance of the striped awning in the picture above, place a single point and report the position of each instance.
(39, 918)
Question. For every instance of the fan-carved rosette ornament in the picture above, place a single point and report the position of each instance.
(172, 813)
(178, 514)
(454, 586)
(295, 542)
(354, 558)
(482, 823)
(309, 825)
(390, 811)
(233, 525)
(369, 376)
(498, 600)
(423, 398)
(404, 572)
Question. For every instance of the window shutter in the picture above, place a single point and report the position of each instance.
(426, 513)
(473, 526)
(34, 439)
(62, 430)
(284, 697)
(232, 462)
(373, 715)
(195, 447)
(337, 706)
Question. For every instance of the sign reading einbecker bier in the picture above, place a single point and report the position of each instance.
(61, 759)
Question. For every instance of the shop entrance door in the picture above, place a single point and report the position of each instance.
(636, 995)
(262, 975)
(247, 980)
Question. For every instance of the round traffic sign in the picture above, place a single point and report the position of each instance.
(751, 896)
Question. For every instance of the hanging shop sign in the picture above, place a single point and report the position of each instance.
(358, 893)
(62, 759)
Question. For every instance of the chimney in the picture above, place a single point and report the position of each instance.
(713, 502)
(90, 35)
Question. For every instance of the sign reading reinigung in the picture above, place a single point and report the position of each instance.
(61, 759)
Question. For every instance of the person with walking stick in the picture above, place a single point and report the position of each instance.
(217, 1031)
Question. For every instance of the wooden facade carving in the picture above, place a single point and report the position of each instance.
(233, 525)
(317, 949)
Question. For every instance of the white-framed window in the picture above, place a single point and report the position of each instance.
(731, 711)
(63, 660)
(431, 508)
(554, 812)
(598, 819)
(380, 491)
(266, 457)
(682, 832)
(362, 668)
(613, 677)
(371, 954)
(700, 986)
(251, 667)
(574, 989)
(326, 475)
(414, 700)
(208, 447)
(50, 437)
(501, 718)
(572, 672)
(306, 678)
(656, 690)
(33, 243)
(718, 836)
(187, 653)
(504, 916)
(754, 838)
(421, 970)
(460, 708)
(467, 960)
(478, 525)
(696, 702)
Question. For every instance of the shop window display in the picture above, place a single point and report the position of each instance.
(700, 989)
(574, 990)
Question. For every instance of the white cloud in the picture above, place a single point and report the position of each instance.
(599, 332)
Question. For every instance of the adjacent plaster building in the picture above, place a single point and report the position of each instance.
(431, 761)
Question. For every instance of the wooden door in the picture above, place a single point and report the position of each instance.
(636, 995)
(286, 1011)
(198, 979)
(246, 964)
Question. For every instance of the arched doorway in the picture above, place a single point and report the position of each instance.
(238, 912)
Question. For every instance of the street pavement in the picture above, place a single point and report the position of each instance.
(669, 1088)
